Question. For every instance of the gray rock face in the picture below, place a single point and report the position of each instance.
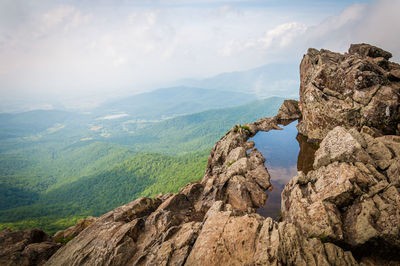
(351, 90)
(353, 195)
(26, 247)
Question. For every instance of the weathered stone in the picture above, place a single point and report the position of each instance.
(237, 193)
(71, 232)
(26, 247)
(340, 146)
(392, 143)
(395, 74)
(373, 132)
(261, 176)
(138, 208)
(289, 110)
(284, 244)
(235, 155)
(346, 198)
(364, 49)
(239, 167)
(349, 90)
(192, 191)
(267, 124)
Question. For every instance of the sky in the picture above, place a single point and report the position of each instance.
(67, 50)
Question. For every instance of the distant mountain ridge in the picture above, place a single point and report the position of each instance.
(173, 101)
(275, 79)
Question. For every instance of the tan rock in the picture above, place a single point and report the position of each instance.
(239, 167)
(71, 232)
(348, 198)
(368, 50)
(26, 247)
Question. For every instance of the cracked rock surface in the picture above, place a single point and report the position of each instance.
(352, 197)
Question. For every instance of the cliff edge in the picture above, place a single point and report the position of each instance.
(345, 211)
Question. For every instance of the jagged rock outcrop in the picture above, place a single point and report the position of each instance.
(164, 230)
(26, 247)
(358, 88)
(353, 196)
(344, 211)
(212, 222)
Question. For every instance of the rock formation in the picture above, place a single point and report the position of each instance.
(349, 90)
(66, 235)
(344, 211)
(26, 247)
(352, 197)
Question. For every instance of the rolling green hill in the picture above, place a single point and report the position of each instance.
(32, 122)
(194, 132)
(141, 175)
(169, 102)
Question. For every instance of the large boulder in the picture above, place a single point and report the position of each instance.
(350, 90)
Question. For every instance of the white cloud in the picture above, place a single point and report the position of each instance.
(375, 23)
(70, 49)
(55, 17)
(283, 34)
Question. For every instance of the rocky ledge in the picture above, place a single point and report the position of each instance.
(343, 212)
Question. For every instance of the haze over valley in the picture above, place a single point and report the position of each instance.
(102, 103)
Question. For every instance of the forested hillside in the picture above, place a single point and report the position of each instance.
(159, 104)
(195, 132)
(50, 178)
(141, 175)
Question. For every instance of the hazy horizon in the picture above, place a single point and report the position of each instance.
(81, 52)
